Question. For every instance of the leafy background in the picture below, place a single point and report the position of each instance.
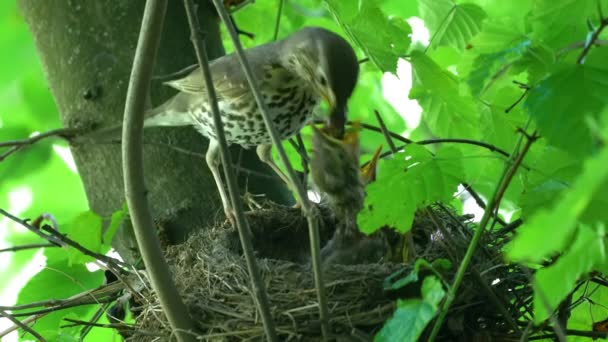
(490, 69)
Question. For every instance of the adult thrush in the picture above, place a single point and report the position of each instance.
(294, 74)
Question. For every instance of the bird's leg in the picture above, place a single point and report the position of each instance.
(213, 161)
(265, 154)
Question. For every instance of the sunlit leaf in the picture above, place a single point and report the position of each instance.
(447, 110)
(382, 40)
(563, 102)
(553, 283)
(62, 281)
(412, 180)
(555, 227)
(450, 23)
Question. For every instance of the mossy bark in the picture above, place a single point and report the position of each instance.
(86, 49)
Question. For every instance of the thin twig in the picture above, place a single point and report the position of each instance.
(257, 284)
(277, 22)
(132, 157)
(59, 132)
(591, 42)
(116, 264)
(16, 145)
(510, 170)
(22, 325)
(434, 141)
(25, 247)
(307, 209)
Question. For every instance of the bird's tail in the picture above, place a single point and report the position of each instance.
(174, 112)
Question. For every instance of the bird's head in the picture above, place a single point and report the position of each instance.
(329, 64)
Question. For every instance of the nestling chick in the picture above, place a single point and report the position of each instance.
(335, 171)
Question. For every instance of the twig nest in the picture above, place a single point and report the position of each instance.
(212, 276)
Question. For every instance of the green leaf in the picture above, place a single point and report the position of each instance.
(555, 227)
(86, 229)
(447, 110)
(382, 39)
(561, 104)
(412, 180)
(553, 172)
(552, 284)
(562, 22)
(117, 218)
(58, 280)
(412, 315)
(450, 23)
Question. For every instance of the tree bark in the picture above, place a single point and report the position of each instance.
(87, 49)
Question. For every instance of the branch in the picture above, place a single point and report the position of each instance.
(257, 284)
(510, 170)
(591, 42)
(22, 325)
(301, 194)
(16, 145)
(25, 247)
(132, 157)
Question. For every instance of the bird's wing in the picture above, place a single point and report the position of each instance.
(228, 76)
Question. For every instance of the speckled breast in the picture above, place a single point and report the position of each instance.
(290, 109)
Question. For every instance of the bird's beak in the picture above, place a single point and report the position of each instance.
(337, 122)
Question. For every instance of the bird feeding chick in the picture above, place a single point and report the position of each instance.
(335, 171)
(293, 74)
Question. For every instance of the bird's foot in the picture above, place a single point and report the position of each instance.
(230, 216)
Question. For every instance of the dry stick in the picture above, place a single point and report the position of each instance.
(22, 325)
(307, 209)
(132, 158)
(259, 290)
(499, 192)
(409, 239)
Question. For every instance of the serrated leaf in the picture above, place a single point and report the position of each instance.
(450, 23)
(447, 111)
(412, 180)
(412, 315)
(556, 226)
(553, 283)
(382, 40)
(561, 104)
(561, 22)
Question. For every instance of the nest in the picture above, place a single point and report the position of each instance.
(212, 276)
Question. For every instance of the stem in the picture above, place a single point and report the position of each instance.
(494, 203)
(135, 191)
(242, 225)
(594, 37)
(301, 195)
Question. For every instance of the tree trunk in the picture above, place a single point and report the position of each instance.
(87, 50)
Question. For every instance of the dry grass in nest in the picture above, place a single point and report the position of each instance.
(212, 276)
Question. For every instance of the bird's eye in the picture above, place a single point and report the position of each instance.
(322, 80)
